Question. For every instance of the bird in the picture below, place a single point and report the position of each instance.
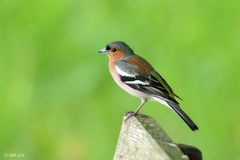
(137, 77)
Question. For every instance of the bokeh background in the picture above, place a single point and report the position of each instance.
(58, 101)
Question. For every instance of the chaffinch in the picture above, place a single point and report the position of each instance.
(137, 77)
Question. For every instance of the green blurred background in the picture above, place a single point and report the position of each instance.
(58, 101)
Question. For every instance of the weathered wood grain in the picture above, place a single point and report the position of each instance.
(141, 138)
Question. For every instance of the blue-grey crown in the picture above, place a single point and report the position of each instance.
(121, 45)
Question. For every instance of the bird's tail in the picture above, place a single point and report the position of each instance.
(183, 115)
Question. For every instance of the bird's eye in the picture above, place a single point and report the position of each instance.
(114, 50)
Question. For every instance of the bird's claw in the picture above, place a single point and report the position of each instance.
(129, 115)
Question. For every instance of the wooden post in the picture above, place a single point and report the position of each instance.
(141, 138)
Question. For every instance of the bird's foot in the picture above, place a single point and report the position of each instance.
(129, 115)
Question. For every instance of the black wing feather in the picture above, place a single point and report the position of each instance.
(150, 85)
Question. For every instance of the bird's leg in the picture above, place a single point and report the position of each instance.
(130, 114)
(143, 101)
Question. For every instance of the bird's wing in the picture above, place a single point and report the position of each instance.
(164, 82)
(136, 77)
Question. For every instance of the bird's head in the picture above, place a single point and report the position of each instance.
(117, 50)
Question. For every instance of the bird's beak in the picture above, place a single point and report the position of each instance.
(103, 51)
